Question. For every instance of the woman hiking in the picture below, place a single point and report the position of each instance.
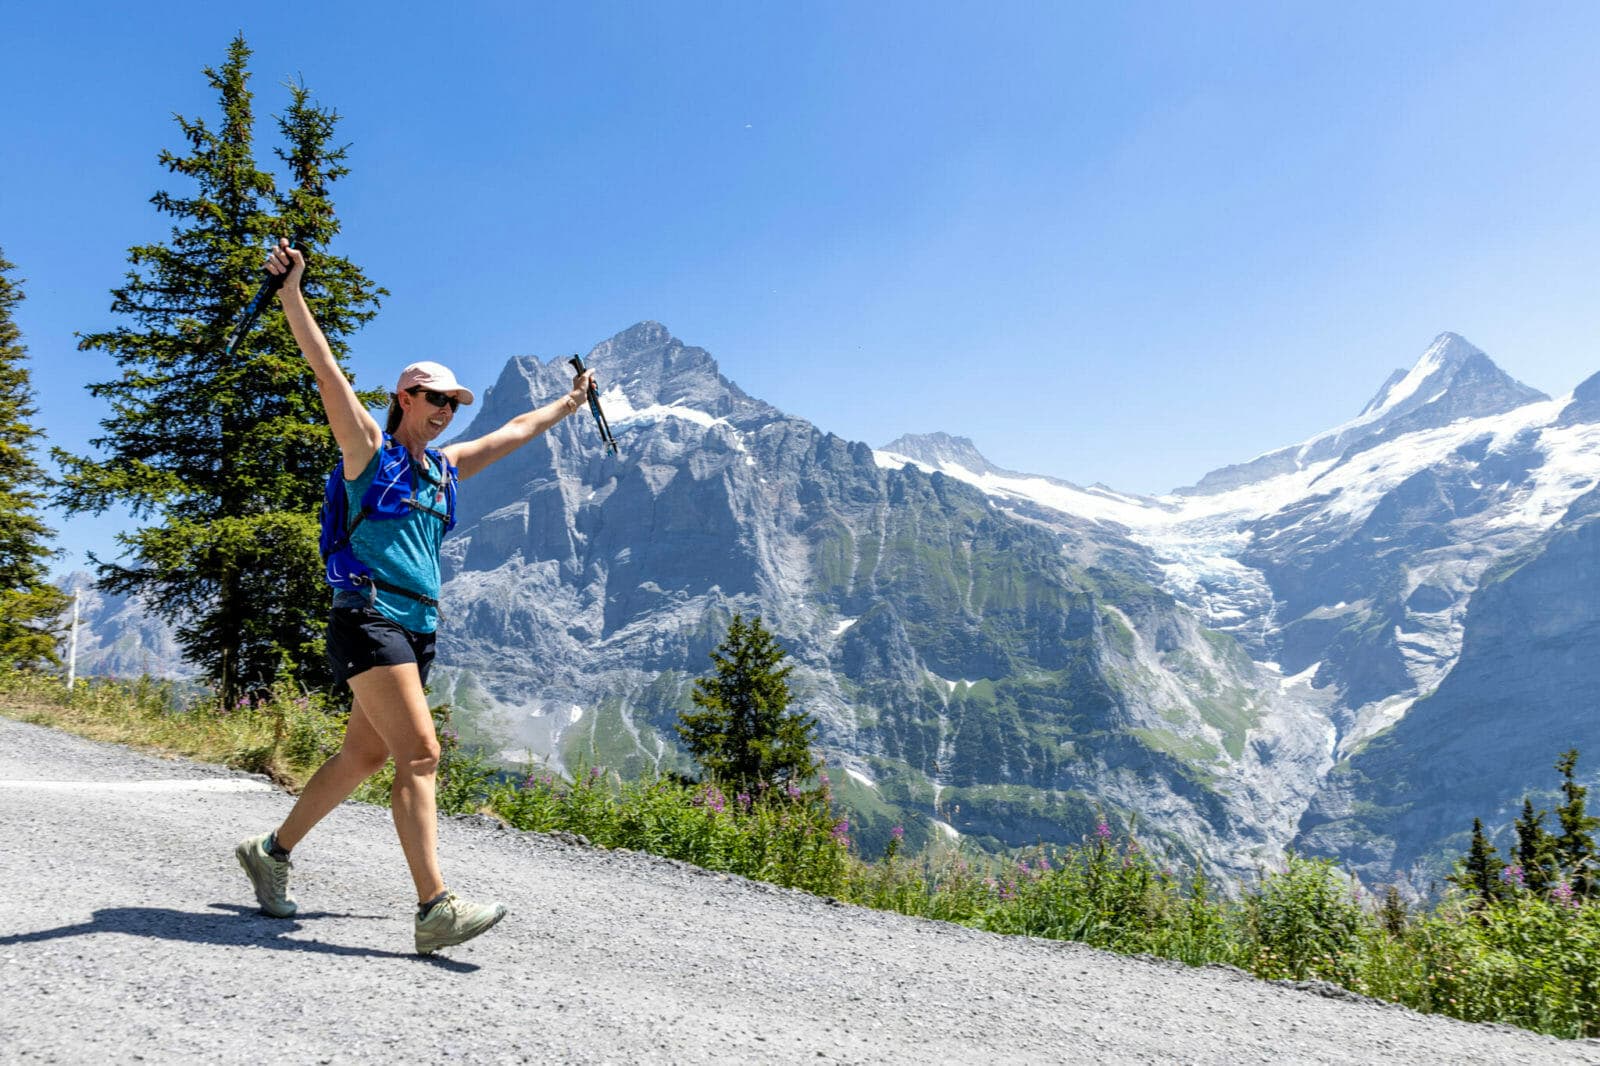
(381, 632)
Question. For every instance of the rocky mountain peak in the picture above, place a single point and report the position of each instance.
(937, 449)
(643, 371)
(1447, 352)
(1588, 391)
(1453, 379)
(652, 368)
(1451, 370)
(641, 336)
(1585, 403)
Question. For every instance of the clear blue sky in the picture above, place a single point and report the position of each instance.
(1118, 243)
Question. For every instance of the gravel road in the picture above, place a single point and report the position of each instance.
(128, 932)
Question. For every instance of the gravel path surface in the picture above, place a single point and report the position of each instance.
(128, 933)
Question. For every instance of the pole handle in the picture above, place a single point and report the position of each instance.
(269, 286)
(594, 408)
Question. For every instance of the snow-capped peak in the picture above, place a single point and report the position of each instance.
(1453, 380)
(1447, 352)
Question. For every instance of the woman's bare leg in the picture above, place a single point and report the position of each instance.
(362, 754)
(397, 709)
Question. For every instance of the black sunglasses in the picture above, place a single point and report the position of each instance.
(438, 399)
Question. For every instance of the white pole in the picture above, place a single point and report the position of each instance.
(72, 644)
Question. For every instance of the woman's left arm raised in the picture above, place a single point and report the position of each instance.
(470, 457)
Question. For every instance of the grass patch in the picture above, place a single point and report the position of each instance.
(286, 737)
(1188, 749)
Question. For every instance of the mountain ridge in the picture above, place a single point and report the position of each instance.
(993, 653)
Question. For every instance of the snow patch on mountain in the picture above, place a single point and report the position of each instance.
(1141, 514)
(620, 411)
(1095, 504)
(950, 684)
(1571, 466)
(862, 778)
(1570, 457)
(1374, 721)
(1303, 678)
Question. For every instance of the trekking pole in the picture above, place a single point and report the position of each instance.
(272, 284)
(594, 408)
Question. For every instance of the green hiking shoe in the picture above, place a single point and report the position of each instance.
(455, 921)
(268, 876)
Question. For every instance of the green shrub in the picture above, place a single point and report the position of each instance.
(1527, 961)
(786, 836)
(1304, 923)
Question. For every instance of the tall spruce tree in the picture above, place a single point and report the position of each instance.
(744, 734)
(226, 455)
(30, 607)
(1478, 873)
(1575, 847)
(1536, 849)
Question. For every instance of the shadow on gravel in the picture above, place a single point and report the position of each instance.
(256, 930)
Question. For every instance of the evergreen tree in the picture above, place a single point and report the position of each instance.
(1394, 915)
(30, 607)
(1535, 849)
(226, 454)
(1575, 847)
(744, 733)
(1479, 873)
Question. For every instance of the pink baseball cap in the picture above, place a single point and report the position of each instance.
(435, 376)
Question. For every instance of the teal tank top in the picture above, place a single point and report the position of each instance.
(401, 551)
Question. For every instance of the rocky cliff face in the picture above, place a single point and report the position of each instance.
(119, 637)
(1520, 693)
(977, 670)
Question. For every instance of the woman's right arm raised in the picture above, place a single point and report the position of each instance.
(357, 433)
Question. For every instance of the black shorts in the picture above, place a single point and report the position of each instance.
(360, 638)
